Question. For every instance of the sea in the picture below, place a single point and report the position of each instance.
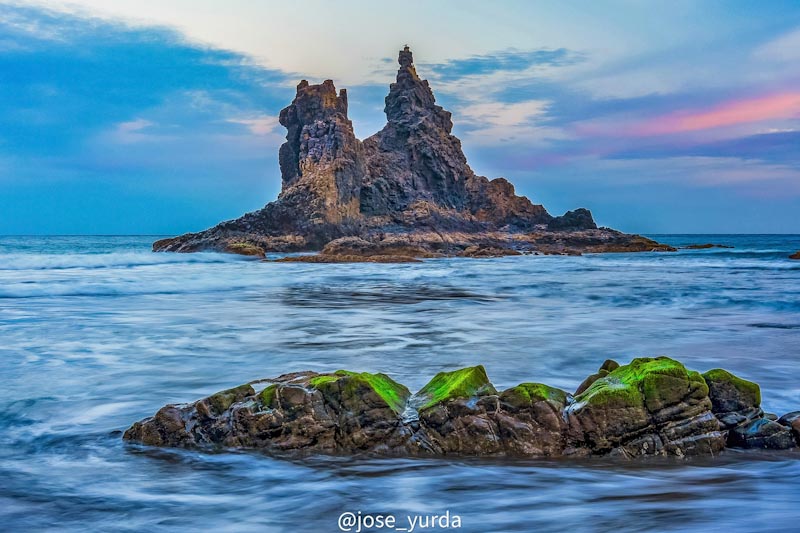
(97, 332)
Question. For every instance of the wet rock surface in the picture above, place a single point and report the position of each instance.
(409, 183)
(649, 407)
(737, 404)
(705, 246)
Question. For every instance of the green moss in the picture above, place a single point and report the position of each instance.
(267, 395)
(654, 382)
(747, 388)
(394, 394)
(696, 379)
(222, 400)
(463, 383)
(318, 381)
(526, 394)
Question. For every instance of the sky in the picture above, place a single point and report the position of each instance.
(160, 117)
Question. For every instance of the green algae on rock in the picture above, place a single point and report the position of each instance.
(463, 383)
(654, 382)
(267, 396)
(737, 405)
(649, 407)
(607, 366)
(526, 394)
(731, 393)
(392, 393)
(224, 399)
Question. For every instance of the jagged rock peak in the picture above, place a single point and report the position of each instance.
(411, 100)
(322, 161)
(317, 126)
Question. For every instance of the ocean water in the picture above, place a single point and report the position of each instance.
(98, 332)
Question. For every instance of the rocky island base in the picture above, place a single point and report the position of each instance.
(407, 186)
(650, 407)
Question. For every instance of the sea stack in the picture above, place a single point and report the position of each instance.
(407, 187)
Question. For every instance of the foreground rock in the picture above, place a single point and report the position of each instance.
(650, 407)
(407, 185)
(737, 405)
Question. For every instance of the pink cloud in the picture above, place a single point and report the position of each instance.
(769, 107)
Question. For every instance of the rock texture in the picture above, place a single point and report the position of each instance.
(649, 407)
(737, 405)
(409, 183)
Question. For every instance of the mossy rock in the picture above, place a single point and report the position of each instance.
(527, 394)
(653, 383)
(731, 393)
(609, 365)
(463, 383)
(267, 396)
(222, 400)
(392, 393)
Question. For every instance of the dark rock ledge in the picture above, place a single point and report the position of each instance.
(705, 246)
(408, 186)
(650, 407)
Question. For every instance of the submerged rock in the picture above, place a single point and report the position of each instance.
(409, 183)
(795, 255)
(651, 406)
(705, 246)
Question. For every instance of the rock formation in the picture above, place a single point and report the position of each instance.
(650, 407)
(409, 184)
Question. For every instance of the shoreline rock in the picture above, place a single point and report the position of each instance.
(649, 407)
(408, 183)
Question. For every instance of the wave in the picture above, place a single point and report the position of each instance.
(18, 261)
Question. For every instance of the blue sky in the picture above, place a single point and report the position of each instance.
(161, 117)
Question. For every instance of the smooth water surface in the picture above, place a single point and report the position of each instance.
(97, 332)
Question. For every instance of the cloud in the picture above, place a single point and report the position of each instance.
(593, 110)
(496, 122)
(731, 113)
(502, 61)
(136, 112)
(263, 125)
(784, 49)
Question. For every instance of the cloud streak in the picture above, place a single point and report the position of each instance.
(732, 113)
